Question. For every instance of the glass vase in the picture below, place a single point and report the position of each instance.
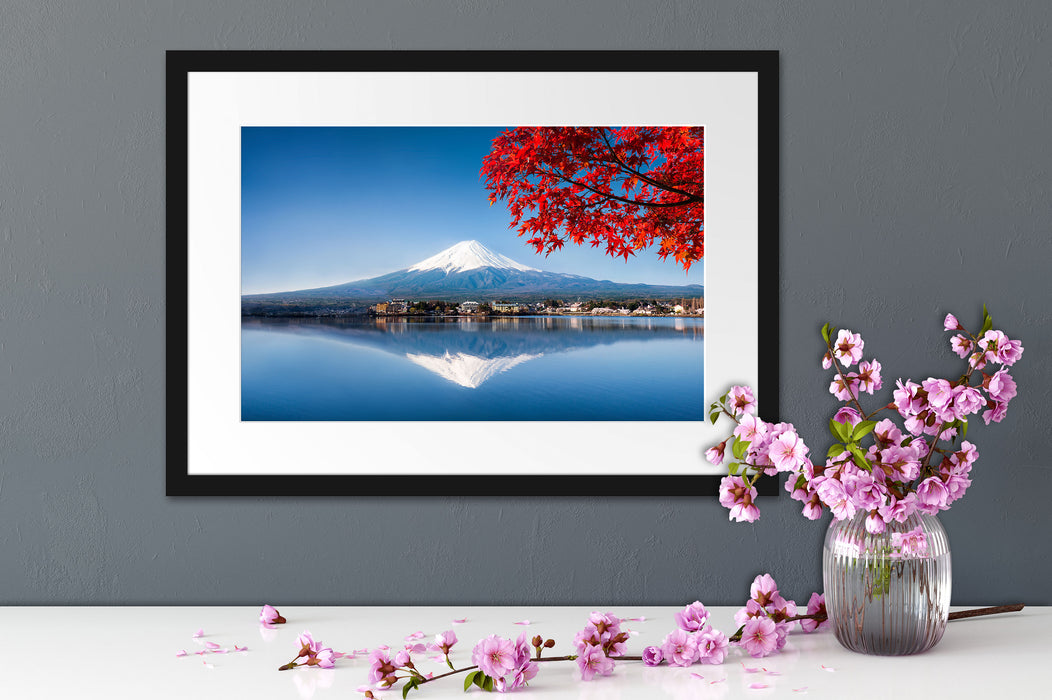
(887, 593)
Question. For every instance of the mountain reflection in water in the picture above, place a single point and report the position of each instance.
(620, 358)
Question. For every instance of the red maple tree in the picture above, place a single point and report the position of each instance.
(626, 188)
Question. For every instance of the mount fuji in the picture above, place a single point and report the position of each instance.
(467, 271)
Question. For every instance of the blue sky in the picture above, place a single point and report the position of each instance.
(326, 205)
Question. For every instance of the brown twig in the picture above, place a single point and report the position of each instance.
(977, 612)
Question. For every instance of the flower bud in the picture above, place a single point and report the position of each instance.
(548, 644)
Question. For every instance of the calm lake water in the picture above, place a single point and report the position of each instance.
(519, 368)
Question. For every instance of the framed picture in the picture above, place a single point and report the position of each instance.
(465, 273)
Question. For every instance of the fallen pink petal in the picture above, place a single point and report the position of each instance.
(415, 635)
(460, 621)
(827, 668)
(220, 651)
(750, 670)
(715, 682)
(802, 689)
(522, 622)
(641, 618)
(181, 652)
(758, 686)
(199, 633)
(237, 648)
(698, 676)
(211, 645)
(201, 653)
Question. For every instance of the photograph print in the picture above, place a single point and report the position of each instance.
(453, 273)
(389, 273)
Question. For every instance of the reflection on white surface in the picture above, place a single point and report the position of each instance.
(268, 634)
(309, 680)
(600, 688)
(681, 684)
(468, 370)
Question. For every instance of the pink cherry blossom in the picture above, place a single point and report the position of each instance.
(494, 656)
(749, 428)
(381, 668)
(845, 388)
(951, 323)
(848, 416)
(940, 391)
(752, 609)
(961, 345)
(816, 605)
(444, 641)
(835, 496)
(763, 589)
(908, 399)
(966, 401)
(738, 496)
(848, 347)
(715, 454)
(269, 615)
(931, 495)
(875, 523)
(712, 646)
(1009, 352)
(760, 637)
(741, 400)
(996, 413)
(653, 656)
(680, 648)
(593, 662)
(692, 618)
(1001, 386)
(788, 452)
(869, 376)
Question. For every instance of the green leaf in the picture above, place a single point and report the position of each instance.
(487, 685)
(860, 457)
(841, 431)
(740, 448)
(469, 680)
(801, 481)
(988, 322)
(907, 441)
(825, 332)
(732, 468)
(863, 429)
(408, 686)
(713, 416)
(835, 451)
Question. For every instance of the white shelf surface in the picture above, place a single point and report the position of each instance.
(130, 652)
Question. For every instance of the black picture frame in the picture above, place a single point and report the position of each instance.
(180, 65)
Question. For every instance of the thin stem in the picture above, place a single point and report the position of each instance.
(978, 612)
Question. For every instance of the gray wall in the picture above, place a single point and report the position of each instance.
(915, 171)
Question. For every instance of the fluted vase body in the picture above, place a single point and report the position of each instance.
(887, 593)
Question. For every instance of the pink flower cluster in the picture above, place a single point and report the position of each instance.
(695, 641)
(598, 644)
(315, 653)
(902, 470)
(507, 663)
(766, 617)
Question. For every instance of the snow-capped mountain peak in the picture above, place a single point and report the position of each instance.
(468, 255)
